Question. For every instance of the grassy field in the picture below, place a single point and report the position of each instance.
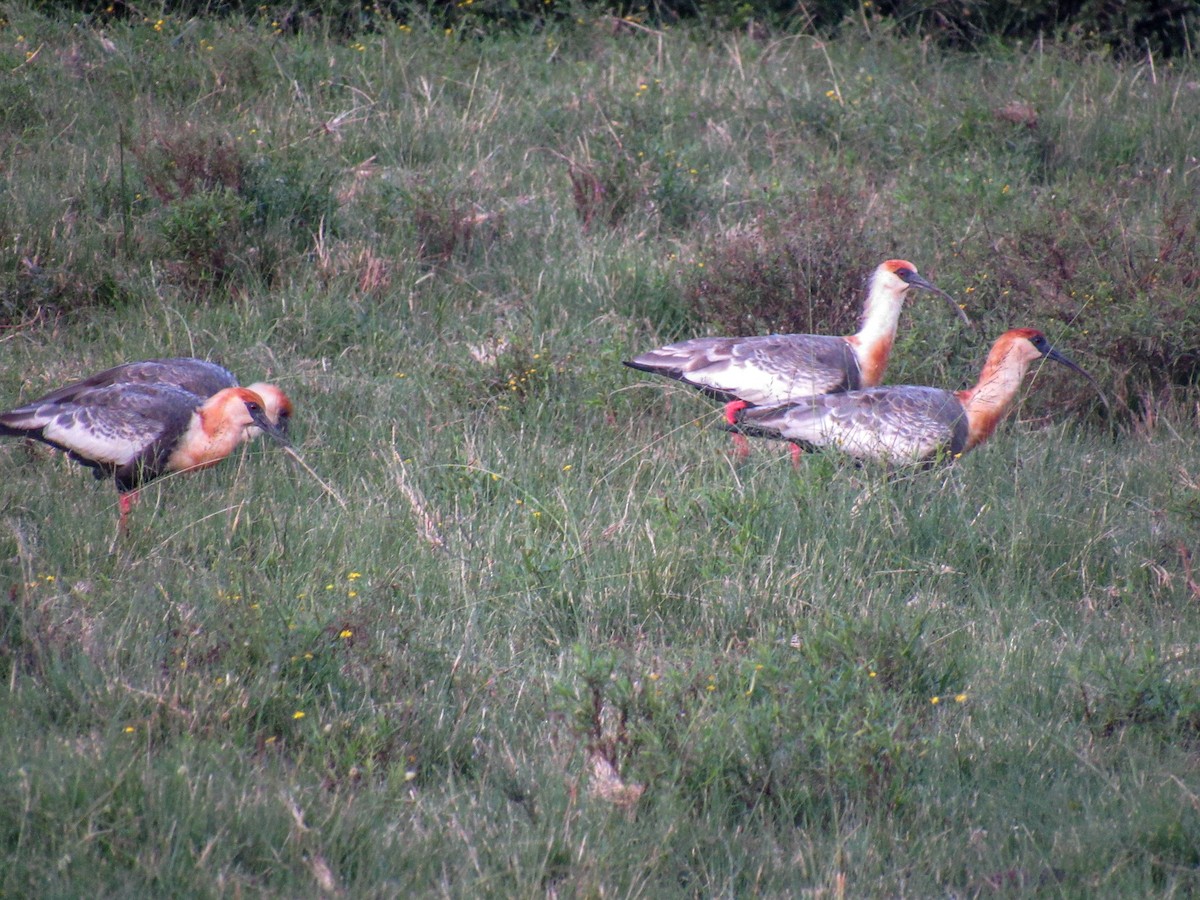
(559, 642)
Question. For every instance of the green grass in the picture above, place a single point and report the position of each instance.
(558, 642)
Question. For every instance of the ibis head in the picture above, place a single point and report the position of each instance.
(1009, 359)
(258, 411)
(900, 275)
(276, 404)
(1044, 348)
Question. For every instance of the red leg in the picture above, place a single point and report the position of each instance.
(741, 446)
(125, 504)
(797, 452)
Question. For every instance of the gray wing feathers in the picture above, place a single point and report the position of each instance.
(901, 424)
(197, 376)
(767, 370)
(116, 428)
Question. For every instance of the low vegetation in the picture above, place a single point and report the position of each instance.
(559, 642)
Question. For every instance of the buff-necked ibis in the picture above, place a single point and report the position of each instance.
(907, 424)
(135, 432)
(776, 369)
(197, 376)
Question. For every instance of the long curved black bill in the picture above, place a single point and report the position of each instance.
(1051, 353)
(917, 281)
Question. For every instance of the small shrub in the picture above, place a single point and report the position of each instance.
(802, 271)
(29, 291)
(290, 202)
(178, 164)
(1127, 28)
(445, 224)
(222, 215)
(611, 181)
(205, 233)
(607, 183)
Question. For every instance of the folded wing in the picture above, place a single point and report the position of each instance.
(767, 369)
(890, 424)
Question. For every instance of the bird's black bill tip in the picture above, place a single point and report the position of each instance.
(276, 432)
(917, 281)
(1065, 360)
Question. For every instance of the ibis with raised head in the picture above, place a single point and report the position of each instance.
(135, 432)
(907, 424)
(777, 369)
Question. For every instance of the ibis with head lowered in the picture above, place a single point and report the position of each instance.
(135, 432)
(197, 376)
